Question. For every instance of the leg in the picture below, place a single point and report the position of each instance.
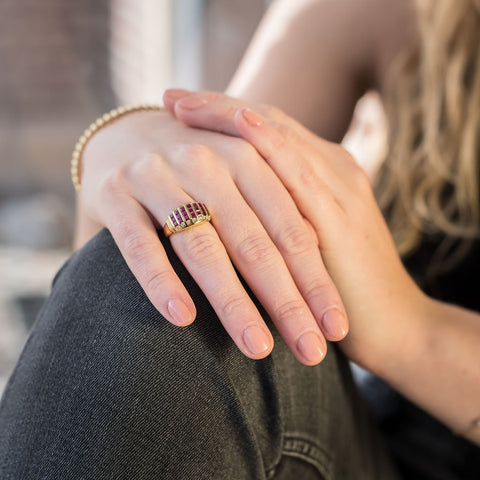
(106, 388)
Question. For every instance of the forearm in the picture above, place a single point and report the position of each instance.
(435, 363)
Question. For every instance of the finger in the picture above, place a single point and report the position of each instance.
(255, 255)
(171, 96)
(251, 250)
(309, 178)
(209, 110)
(280, 217)
(203, 254)
(216, 111)
(261, 264)
(139, 244)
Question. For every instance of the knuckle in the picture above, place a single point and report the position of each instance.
(136, 246)
(202, 248)
(319, 287)
(113, 184)
(296, 240)
(229, 110)
(157, 280)
(146, 166)
(290, 311)
(232, 305)
(197, 159)
(286, 136)
(256, 250)
(307, 177)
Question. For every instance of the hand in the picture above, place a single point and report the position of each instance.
(334, 194)
(142, 166)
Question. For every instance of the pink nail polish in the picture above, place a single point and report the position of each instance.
(311, 347)
(334, 324)
(192, 102)
(179, 312)
(251, 117)
(175, 94)
(256, 340)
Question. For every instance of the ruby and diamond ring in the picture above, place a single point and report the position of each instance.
(186, 216)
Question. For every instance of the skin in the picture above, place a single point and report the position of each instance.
(131, 185)
(396, 332)
(332, 87)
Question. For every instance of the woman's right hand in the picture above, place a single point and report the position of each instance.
(139, 168)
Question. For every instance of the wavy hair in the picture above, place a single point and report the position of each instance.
(429, 184)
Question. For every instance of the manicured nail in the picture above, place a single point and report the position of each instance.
(256, 340)
(251, 117)
(174, 94)
(191, 102)
(179, 312)
(311, 347)
(334, 324)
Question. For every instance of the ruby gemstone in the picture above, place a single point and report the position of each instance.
(179, 217)
(184, 213)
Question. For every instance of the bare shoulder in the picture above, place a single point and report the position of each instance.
(389, 26)
(372, 31)
(328, 52)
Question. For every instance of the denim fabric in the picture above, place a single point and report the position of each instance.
(106, 389)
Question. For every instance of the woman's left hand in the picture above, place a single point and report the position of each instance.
(334, 195)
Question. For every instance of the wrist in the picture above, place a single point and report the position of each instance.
(394, 332)
(91, 132)
(402, 344)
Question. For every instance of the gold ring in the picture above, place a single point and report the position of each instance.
(186, 216)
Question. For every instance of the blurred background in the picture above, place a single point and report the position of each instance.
(63, 64)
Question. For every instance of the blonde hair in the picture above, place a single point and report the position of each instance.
(430, 182)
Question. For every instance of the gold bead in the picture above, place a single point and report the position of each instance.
(76, 155)
(107, 117)
(99, 122)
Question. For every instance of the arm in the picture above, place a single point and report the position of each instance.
(427, 350)
(314, 59)
(127, 189)
(435, 363)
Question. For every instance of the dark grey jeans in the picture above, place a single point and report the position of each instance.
(107, 389)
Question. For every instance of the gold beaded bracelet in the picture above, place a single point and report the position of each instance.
(95, 127)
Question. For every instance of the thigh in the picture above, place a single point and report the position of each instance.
(106, 388)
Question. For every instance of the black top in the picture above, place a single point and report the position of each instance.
(422, 447)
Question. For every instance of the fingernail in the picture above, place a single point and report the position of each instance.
(256, 340)
(251, 117)
(191, 102)
(334, 324)
(179, 312)
(174, 94)
(311, 347)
